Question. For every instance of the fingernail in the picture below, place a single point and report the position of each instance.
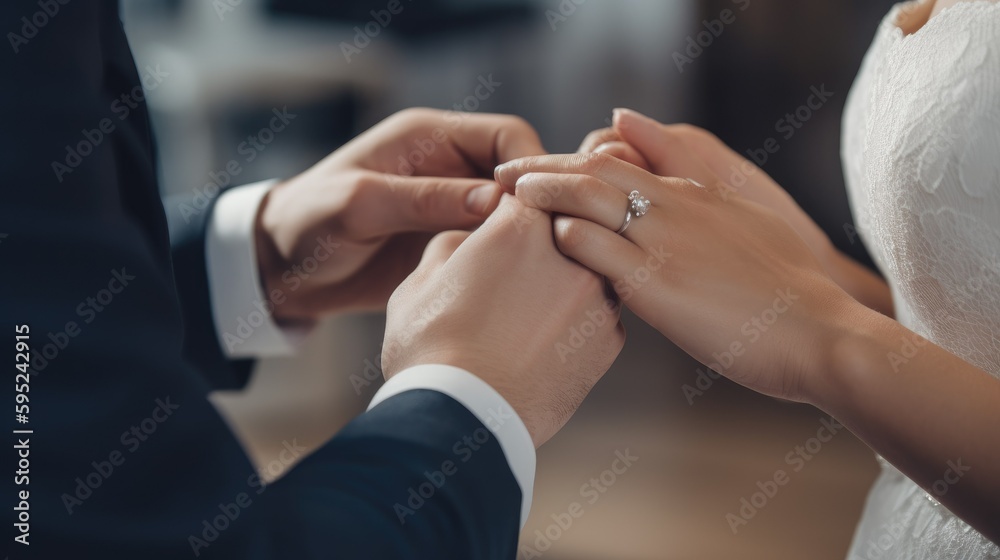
(499, 170)
(480, 199)
(616, 116)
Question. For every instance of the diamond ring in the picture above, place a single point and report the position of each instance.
(638, 205)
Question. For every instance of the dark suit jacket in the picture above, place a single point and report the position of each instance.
(127, 458)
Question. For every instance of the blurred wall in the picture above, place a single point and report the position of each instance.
(751, 78)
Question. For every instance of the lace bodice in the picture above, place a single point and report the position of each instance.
(921, 153)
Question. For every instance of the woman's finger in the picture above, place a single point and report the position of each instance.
(667, 153)
(593, 140)
(623, 176)
(625, 152)
(602, 250)
(581, 196)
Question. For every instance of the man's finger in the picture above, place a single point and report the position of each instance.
(435, 143)
(486, 140)
(392, 204)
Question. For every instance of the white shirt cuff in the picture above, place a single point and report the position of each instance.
(241, 309)
(487, 405)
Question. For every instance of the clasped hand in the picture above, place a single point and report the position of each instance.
(500, 302)
(503, 301)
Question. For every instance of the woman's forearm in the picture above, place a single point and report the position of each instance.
(929, 413)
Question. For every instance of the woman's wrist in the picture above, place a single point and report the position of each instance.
(857, 280)
(849, 350)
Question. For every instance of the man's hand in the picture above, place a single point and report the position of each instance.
(505, 305)
(376, 202)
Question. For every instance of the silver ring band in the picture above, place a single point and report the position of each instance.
(627, 222)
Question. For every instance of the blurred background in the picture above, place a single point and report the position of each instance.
(736, 67)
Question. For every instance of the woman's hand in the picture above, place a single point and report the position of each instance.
(342, 235)
(682, 150)
(733, 284)
(726, 279)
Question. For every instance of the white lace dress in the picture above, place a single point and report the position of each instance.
(921, 152)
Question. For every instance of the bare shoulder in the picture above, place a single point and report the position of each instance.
(941, 5)
(915, 14)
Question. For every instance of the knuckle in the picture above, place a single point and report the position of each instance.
(355, 193)
(425, 198)
(592, 163)
(694, 133)
(685, 130)
(570, 234)
(449, 241)
(517, 124)
(414, 114)
(519, 131)
(362, 180)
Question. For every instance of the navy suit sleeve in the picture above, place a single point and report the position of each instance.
(429, 481)
(127, 458)
(201, 341)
